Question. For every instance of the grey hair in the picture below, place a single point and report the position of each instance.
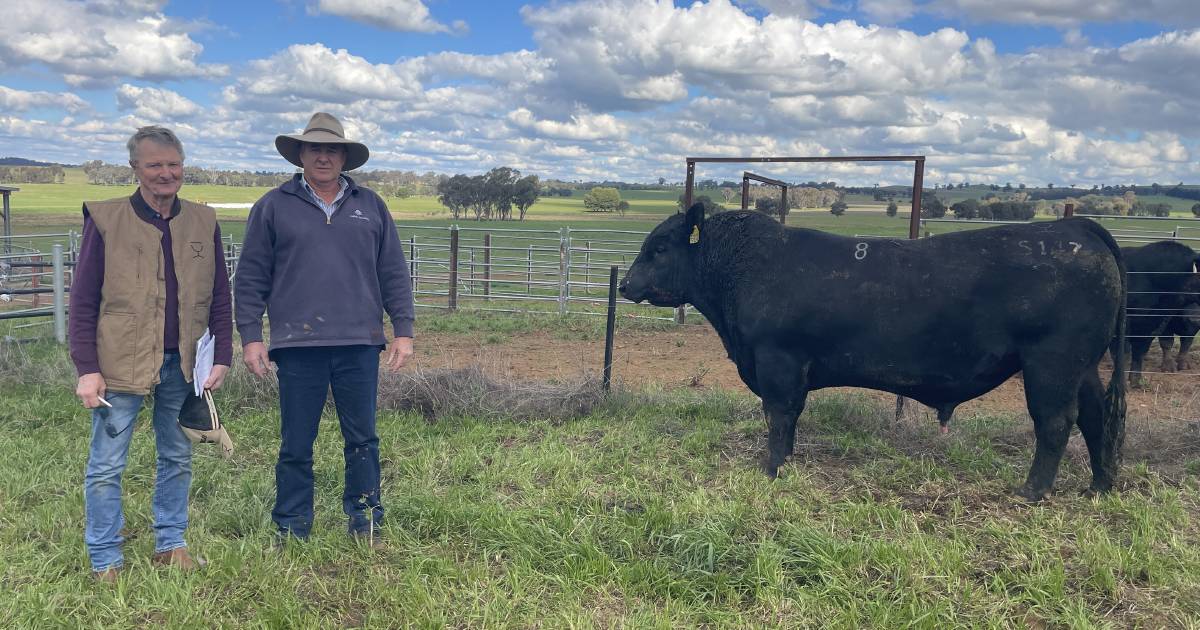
(158, 134)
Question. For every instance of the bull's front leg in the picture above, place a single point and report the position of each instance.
(1138, 347)
(783, 386)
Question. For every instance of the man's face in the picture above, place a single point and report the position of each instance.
(322, 162)
(158, 167)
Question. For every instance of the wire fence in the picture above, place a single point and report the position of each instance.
(561, 272)
(505, 270)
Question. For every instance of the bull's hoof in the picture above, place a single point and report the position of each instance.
(1096, 490)
(769, 469)
(1167, 367)
(1032, 496)
(944, 430)
(1184, 366)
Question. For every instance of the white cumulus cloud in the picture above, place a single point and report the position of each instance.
(313, 71)
(155, 103)
(396, 15)
(20, 100)
(97, 44)
(582, 126)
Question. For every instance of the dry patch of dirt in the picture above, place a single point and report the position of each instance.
(1163, 424)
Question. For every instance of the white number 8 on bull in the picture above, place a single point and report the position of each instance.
(860, 250)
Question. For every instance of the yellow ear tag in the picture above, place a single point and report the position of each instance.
(695, 237)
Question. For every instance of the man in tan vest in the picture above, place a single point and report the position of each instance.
(149, 280)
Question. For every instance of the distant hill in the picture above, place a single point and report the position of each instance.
(16, 161)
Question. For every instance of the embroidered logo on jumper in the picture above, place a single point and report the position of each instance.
(197, 248)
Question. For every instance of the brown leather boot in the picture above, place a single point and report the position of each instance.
(178, 558)
(107, 576)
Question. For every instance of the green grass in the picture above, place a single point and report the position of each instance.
(647, 512)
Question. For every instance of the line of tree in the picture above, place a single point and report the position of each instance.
(386, 183)
(32, 174)
(1006, 210)
(492, 195)
(108, 174)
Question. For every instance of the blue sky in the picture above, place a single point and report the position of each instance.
(1065, 91)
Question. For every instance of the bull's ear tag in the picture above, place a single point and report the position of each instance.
(695, 237)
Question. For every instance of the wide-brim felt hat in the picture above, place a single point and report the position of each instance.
(322, 128)
(200, 423)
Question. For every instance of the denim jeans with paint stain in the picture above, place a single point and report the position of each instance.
(306, 377)
(112, 431)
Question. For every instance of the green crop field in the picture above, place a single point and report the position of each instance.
(40, 208)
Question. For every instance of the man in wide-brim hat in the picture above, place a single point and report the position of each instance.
(322, 258)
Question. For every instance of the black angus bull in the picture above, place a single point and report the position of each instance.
(1162, 287)
(940, 320)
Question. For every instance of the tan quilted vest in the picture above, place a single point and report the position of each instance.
(129, 334)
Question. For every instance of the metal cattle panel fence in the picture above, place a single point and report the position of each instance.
(518, 270)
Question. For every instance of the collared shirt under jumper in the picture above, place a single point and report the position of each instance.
(329, 208)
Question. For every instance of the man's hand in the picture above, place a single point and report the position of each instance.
(254, 355)
(216, 377)
(90, 389)
(398, 352)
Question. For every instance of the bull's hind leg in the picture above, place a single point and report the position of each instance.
(1103, 456)
(1165, 343)
(782, 384)
(1052, 396)
(1185, 346)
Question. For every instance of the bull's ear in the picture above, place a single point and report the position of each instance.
(693, 222)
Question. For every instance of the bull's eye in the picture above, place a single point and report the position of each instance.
(660, 249)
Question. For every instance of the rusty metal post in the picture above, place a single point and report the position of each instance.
(914, 221)
(745, 193)
(1068, 210)
(610, 327)
(680, 315)
(914, 231)
(487, 265)
(453, 296)
(689, 184)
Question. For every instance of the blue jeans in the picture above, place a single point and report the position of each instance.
(112, 430)
(306, 376)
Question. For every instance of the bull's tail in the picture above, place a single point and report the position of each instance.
(1114, 398)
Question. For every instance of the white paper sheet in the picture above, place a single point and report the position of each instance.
(204, 361)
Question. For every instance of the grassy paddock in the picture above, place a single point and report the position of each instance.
(643, 510)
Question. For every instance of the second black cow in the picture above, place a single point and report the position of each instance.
(1164, 291)
(940, 320)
